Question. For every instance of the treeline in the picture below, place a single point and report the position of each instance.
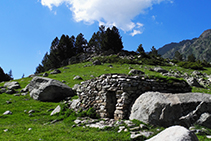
(4, 76)
(67, 47)
(191, 62)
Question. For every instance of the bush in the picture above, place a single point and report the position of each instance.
(191, 65)
(89, 113)
(115, 59)
(154, 61)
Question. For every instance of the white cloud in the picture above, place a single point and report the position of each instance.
(153, 17)
(110, 12)
(135, 32)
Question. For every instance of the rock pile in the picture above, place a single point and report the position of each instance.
(112, 95)
(10, 87)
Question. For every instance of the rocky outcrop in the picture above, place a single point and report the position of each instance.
(112, 95)
(166, 109)
(46, 89)
(175, 133)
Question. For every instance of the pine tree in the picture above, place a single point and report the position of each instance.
(140, 49)
(94, 43)
(80, 44)
(178, 56)
(110, 39)
(191, 58)
(153, 52)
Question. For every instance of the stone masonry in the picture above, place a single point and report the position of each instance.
(112, 95)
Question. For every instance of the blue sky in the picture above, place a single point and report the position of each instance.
(27, 27)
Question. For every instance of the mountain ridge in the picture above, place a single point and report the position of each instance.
(200, 47)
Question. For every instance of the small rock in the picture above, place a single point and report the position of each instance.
(8, 102)
(31, 111)
(77, 78)
(110, 66)
(136, 72)
(56, 110)
(54, 121)
(16, 94)
(134, 136)
(3, 90)
(12, 85)
(56, 71)
(24, 94)
(208, 136)
(97, 62)
(7, 113)
(45, 75)
(10, 91)
(134, 129)
(30, 115)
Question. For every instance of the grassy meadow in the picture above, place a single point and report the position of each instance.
(25, 126)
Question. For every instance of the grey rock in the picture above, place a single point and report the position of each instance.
(10, 91)
(56, 110)
(135, 136)
(75, 103)
(110, 66)
(175, 133)
(46, 89)
(45, 75)
(16, 94)
(7, 113)
(3, 90)
(160, 70)
(77, 78)
(146, 133)
(193, 82)
(165, 109)
(205, 120)
(56, 71)
(12, 85)
(8, 102)
(136, 72)
(97, 62)
(208, 136)
(31, 111)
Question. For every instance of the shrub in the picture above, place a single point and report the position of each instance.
(88, 113)
(115, 59)
(191, 65)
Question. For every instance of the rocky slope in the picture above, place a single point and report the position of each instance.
(200, 47)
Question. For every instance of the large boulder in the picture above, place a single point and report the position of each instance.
(46, 89)
(175, 133)
(165, 109)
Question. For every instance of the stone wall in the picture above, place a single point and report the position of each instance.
(112, 95)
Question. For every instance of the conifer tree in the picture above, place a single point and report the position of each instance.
(80, 43)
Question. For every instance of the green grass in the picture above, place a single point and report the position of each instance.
(19, 123)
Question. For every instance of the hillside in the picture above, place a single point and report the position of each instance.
(31, 120)
(200, 47)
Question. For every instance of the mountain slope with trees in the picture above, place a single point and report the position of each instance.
(199, 47)
(67, 47)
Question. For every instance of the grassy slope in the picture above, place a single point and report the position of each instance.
(20, 122)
